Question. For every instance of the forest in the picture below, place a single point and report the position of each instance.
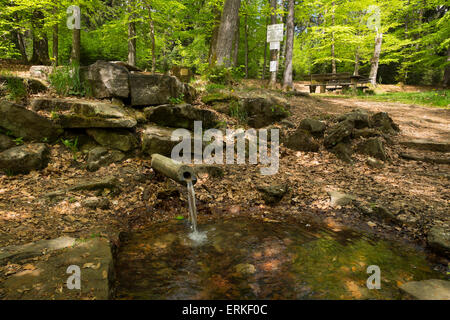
(329, 35)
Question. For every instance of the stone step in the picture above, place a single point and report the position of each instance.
(433, 289)
(422, 144)
(445, 159)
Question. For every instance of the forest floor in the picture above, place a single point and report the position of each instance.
(416, 190)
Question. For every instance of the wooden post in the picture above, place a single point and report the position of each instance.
(174, 170)
(322, 88)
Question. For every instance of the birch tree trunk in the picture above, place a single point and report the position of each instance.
(227, 32)
(376, 58)
(287, 78)
(273, 53)
(131, 36)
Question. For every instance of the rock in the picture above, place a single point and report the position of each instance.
(245, 269)
(101, 157)
(383, 122)
(181, 116)
(422, 144)
(340, 132)
(18, 253)
(41, 72)
(118, 139)
(374, 163)
(287, 123)
(432, 289)
(25, 158)
(339, 198)
(158, 140)
(343, 152)
(6, 142)
(182, 73)
(33, 86)
(438, 239)
(126, 65)
(380, 212)
(48, 280)
(313, 126)
(150, 90)
(262, 112)
(109, 182)
(273, 194)
(373, 147)
(96, 202)
(108, 80)
(27, 124)
(302, 140)
(72, 121)
(138, 115)
(359, 118)
(212, 171)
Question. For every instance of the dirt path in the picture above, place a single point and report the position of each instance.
(416, 122)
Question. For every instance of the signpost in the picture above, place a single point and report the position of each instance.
(274, 37)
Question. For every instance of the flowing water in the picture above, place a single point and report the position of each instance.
(197, 237)
(244, 258)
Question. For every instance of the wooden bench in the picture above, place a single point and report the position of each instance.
(336, 81)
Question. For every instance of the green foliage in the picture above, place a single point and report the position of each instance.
(18, 141)
(211, 87)
(72, 145)
(237, 112)
(14, 88)
(66, 81)
(178, 100)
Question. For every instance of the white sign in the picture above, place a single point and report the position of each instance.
(274, 46)
(273, 66)
(275, 32)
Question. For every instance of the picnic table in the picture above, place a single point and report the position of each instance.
(336, 81)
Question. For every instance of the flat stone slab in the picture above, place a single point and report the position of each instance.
(428, 289)
(47, 280)
(18, 253)
(422, 144)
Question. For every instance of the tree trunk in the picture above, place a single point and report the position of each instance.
(227, 32)
(356, 71)
(287, 78)
(55, 45)
(237, 39)
(333, 56)
(376, 58)
(131, 36)
(447, 71)
(273, 53)
(246, 46)
(212, 55)
(40, 41)
(265, 53)
(75, 56)
(152, 37)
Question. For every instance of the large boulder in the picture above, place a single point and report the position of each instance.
(314, 126)
(343, 151)
(108, 80)
(158, 140)
(181, 116)
(41, 72)
(74, 121)
(116, 139)
(32, 86)
(27, 124)
(373, 147)
(340, 132)
(150, 90)
(25, 158)
(5, 142)
(302, 140)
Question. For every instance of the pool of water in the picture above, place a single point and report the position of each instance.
(244, 258)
